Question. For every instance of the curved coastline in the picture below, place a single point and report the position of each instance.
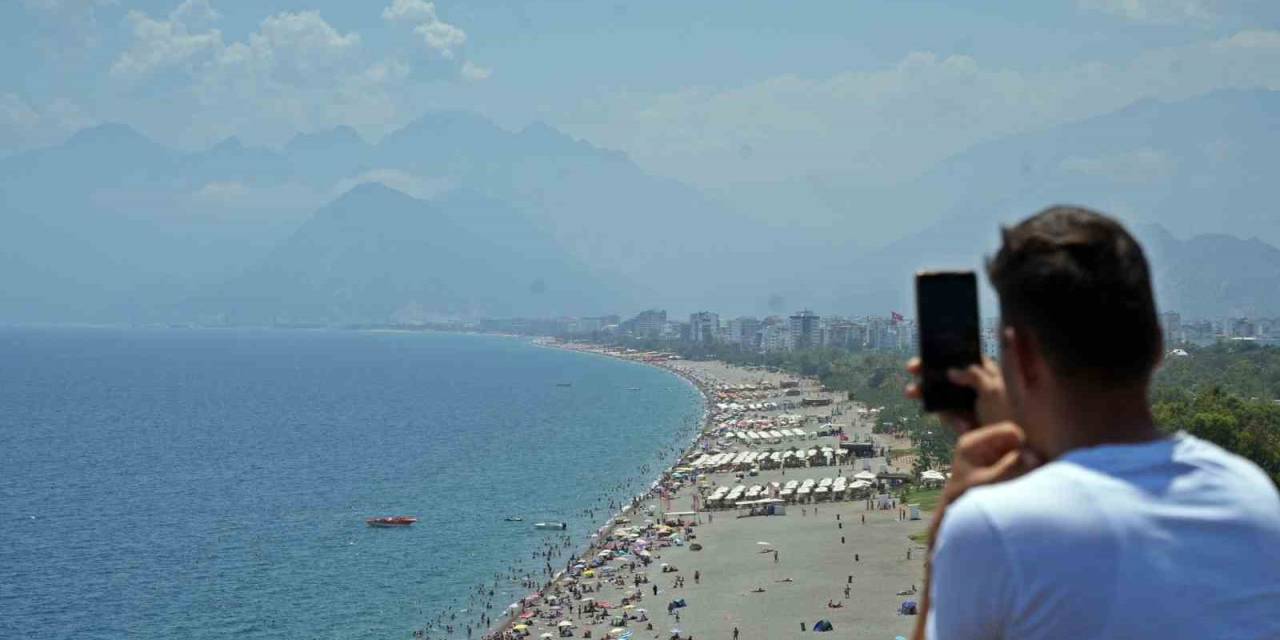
(511, 618)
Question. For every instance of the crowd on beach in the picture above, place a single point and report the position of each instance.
(578, 585)
(484, 610)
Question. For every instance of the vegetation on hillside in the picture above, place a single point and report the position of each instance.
(1228, 394)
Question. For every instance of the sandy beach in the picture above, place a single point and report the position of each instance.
(767, 576)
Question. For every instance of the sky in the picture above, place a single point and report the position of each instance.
(730, 96)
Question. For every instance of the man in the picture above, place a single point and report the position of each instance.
(1092, 524)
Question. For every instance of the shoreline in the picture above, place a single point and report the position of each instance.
(512, 619)
(822, 578)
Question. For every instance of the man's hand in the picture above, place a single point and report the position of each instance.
(990, 449)
(991, 405)
(986, 455)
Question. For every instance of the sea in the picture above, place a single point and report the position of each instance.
(214, 483)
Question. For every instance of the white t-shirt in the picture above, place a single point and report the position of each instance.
(1171, 539)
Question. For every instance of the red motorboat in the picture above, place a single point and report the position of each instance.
(391, 521)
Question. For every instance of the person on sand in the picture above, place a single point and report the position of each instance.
(1091, 523)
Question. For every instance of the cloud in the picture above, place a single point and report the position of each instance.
(881, 126)
(220, 192)
(1252, 39)
(67, 28)
(24, 125)
(1156, 11)
(1140, 166)
(159, 45)
(411, 11)
(439, 36)
(295, 72)
(472, 71)
(421, 187)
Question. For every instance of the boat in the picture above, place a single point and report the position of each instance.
(564, 384)
(633, 388)
(391, 521)
(555, 526)
(514, 519)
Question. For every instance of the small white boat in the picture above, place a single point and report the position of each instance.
(554, 526)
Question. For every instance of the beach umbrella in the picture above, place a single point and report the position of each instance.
(587, 600)
(546, 635)
(629, 607)
(565, 623)
(520, 627)
(765, 544)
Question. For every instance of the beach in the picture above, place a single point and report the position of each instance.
(768, 576)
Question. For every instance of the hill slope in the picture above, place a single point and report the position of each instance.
(376, 254)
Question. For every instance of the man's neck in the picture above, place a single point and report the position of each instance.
(1089, 418)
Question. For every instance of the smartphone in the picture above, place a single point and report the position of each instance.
(947, 312)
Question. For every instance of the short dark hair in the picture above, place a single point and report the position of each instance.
(1081, 284)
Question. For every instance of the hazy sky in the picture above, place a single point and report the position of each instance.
(717, 93)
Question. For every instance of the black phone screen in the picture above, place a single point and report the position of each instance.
(947, 310)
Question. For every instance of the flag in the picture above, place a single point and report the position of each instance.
(896, 317)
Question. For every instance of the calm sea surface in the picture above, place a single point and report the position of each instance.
(206, 483)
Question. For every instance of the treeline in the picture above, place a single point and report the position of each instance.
(1245, 369)
(1227, 393)
(876, 379)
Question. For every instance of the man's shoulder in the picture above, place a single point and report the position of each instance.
(1085, 487)
(1242, 474)
(1038, 493)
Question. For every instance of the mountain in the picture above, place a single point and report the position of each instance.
(231, 161)
(112, 226)
(323, 157)
(113, 211)
(1197, 167)
(1213, 275)
(377, 254)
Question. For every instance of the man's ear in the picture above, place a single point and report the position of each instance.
(1026, 359)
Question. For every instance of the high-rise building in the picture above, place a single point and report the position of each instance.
(1171, 323)
(878, 333)
(774, 335)
(704, 326)
(650, 323)
(1242, 328)
(804, 330)
(743, 331)
(839, 333)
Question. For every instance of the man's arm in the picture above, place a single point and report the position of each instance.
(971, 581)
(983, 456)
(990, 449)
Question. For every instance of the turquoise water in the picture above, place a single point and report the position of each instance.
(208, 483)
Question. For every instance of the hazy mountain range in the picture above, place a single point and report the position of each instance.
(452, 216)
